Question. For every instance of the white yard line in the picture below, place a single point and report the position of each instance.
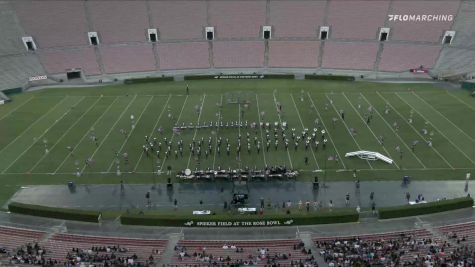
(65, 133)
(278, 114)
(415, 130)
(84, 136)
(260, 129)
(33, 124)
(41, 136)
(469, 137)
(436, 129)
(217, 130)
(196, 129)
(460, 100)
(327, 129)
(154, 129)
(303, 127)
(389, 126)
(348, 129)
(375, 137)
(173, 135)
(110, 130)
(130, 134)
(15, 109)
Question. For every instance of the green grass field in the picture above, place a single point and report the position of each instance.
(58, 118)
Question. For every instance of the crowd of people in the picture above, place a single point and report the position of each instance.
(403, 250)
(259, 256)
(104, 256)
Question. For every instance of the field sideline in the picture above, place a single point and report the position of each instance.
(54, 119)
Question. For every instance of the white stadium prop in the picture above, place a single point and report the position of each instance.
(369, 155)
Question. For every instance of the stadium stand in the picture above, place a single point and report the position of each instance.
(294, 54)
(260, 253)
(12, 238)
(61, 60)
(238, 54)
(179, 20)
(428, 31)
(62, 245)
(237, 19)
(402, 57)
(10, 43)
(296, 18)
(459, 57)
(407, 248)
(16, 69)
(357, 20)
(174, 56)
(360, 56)
(121, 59)
(119, 23)
(54, 23)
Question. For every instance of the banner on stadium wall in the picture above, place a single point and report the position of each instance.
(38, 78)
(265, 223)
(243, 76)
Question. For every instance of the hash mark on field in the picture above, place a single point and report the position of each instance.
(359, 115)
(217, 130)
(260, 129)
(440, 113)
(278, 113)
(436, 129)
(389, 126)
(303, 126)
(33, 124)
(130, 134)
(173, 135)
(41, 136)
(327, 129)
(15, 109)
(196, 129)
(415, 130)
(154, 129)
(84, 136)
(110, 130)
(346, 126)
(65, 133)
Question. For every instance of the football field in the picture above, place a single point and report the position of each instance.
(97, 134)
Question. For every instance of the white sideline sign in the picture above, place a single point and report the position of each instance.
(38, 78)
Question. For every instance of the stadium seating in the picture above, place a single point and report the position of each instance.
(58, 61)
(405, 248)
(12, 238)
(293, 54)
(53, 23)
(60, 244)
(360, 56)
(250, 251)
(121, 59)
(296, 18)
(429, 31)
(179, 20)
(175, 56)
(402, 57)
(238, 54)
(237, 19)
(459, 57)
(357, 20)
(10, 43)
(16, 69)
(119, 23)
